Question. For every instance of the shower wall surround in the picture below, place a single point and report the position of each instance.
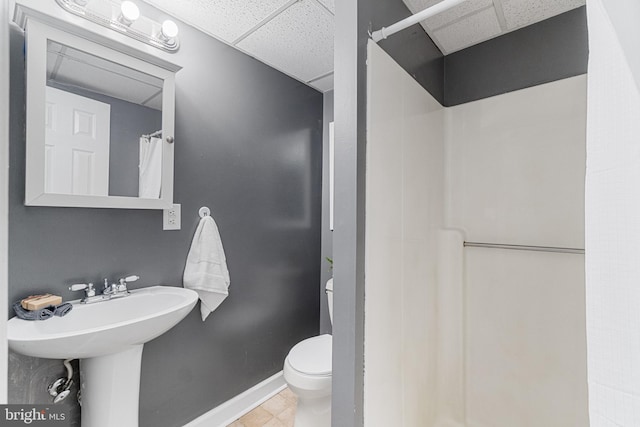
(404, 203)
(545, 52)
(249, 146)
(513, 173)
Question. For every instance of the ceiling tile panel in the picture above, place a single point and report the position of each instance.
(225, 19)
(471, 30)
(330, 4)
(519, 13)
(475, 21)
(299, 40)
(456, 13)
(450, 15)
(324, 84)
(416, 6)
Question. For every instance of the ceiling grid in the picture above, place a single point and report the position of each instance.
(500, 14)
(296, 36)
(476, 21)
(265, 21)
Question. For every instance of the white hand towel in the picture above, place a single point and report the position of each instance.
(206, 269)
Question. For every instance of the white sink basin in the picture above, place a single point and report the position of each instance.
(108, 338)
(101, 328)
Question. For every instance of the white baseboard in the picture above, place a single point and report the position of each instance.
(234, 408)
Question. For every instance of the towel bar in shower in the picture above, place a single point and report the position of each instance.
(525, 248)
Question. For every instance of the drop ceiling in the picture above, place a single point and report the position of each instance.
(293, 36)
(475, 21)
(296, 36)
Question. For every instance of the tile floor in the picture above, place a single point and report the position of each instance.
(279, 411)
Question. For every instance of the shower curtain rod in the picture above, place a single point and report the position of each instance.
(525, 248)
(151, 135)
(385, 32)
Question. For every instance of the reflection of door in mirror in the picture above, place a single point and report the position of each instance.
(134, 102)
(76, 144)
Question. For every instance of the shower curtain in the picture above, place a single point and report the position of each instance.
(613, 213)
(150, 181)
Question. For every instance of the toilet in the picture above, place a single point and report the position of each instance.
(307, 371)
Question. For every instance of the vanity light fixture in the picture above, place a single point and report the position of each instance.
(129, 12)
(124, 17)
(169, 30)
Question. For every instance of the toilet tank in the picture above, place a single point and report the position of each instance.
(329, 291)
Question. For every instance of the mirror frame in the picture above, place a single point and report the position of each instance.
(37, 35)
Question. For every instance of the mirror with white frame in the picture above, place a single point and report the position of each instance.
(99, 125)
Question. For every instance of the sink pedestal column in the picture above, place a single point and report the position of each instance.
(110, 388)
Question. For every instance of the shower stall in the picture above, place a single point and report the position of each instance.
(491, 332)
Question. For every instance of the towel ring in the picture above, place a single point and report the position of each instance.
(204, 211)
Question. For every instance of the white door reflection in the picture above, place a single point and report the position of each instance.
(97, 115)
(77, 144)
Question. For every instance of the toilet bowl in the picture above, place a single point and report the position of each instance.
(307, 371)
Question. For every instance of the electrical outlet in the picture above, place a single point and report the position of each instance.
(171, 218)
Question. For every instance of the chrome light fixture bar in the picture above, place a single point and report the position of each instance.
(124, 17)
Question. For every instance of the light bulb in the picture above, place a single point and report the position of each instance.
(129, 12)
(169, 29)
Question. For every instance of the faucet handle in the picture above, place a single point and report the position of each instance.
(87, 287)
(80, 286)
(122, 283)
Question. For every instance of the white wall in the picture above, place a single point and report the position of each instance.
(404, 205)
(525, 339)
(515, 167)
(613, 213)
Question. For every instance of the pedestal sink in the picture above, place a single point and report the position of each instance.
(108, 338)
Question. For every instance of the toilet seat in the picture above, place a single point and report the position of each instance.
(312, 357)
(307, 371)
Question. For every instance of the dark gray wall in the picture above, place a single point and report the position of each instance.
(326, 272)
(29, 378)
(243, 132)
(547, 51)
(128, 122)
(412, 48)
(550, 50)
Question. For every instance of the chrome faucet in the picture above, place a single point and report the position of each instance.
(115, 290)
(89, 292)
